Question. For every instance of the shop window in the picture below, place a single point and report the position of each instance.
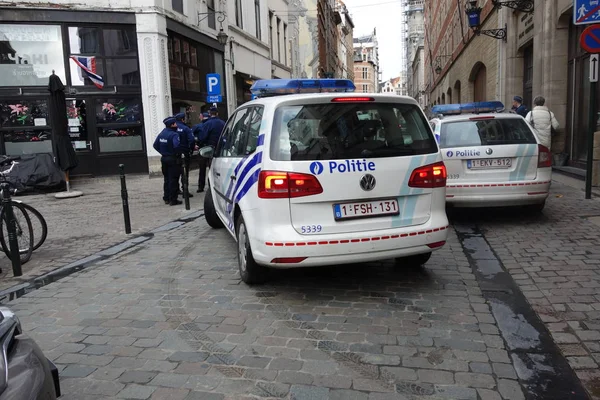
(77, 120)
(176, 50)
(79, 77)
(120, 42)
(118, 111)
(23, 113)
(119, 126)
(84, 40)
(29, 54)
(120, 139)
(109, 53)
(193, 56)
(177, 81)
(192, 80)
(122, 71)
(25, 126)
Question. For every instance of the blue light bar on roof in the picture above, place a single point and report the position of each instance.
(468, 108)
(275, 87)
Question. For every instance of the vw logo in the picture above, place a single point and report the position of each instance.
(316, 168)
(450, 153)
(489, 151)
(367, 182)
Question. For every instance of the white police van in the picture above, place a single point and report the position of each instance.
(326, 177)
(493, 158)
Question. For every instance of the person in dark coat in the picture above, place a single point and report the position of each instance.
(208, 135)
(168, 144)
(188, 143)
(519, 107)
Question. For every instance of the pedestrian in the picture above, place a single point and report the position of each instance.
(167, 143)
(208, 135)
(543, 120)
(188, 143)
(519, 107)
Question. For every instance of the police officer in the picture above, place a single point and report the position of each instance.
(188, 142)
(168, 144)
(208, 135)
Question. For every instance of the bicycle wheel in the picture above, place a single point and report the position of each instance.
(24, 233)
(38, 222)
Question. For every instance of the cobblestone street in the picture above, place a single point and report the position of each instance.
(170, 319)
(82, 226)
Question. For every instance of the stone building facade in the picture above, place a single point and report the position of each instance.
(541, 56)
(366, 63)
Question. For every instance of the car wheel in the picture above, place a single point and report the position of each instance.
(417, 260)
(210, 214)
(250, 271)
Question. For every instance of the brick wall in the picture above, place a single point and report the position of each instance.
(459, 50)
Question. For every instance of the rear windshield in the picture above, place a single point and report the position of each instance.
(487, 132)
(358, 130)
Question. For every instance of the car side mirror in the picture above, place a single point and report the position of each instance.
(207, 152)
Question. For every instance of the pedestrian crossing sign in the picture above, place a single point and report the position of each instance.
(586, 12)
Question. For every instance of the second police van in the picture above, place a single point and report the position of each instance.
(493, 158)
(311, 174)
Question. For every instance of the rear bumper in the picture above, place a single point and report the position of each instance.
(322, 250)
(498, 194)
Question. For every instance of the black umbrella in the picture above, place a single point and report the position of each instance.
(61, 141)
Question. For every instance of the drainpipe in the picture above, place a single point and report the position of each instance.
(500, 81)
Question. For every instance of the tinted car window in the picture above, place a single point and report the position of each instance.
(341, 131)
(485, 132)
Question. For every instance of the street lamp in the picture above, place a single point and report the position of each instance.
(474, 16)
(438, 63)
(222, 37)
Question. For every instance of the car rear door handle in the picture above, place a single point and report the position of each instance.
(218, 173)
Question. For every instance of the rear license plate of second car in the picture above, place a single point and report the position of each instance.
(489, 163)
(376, 208)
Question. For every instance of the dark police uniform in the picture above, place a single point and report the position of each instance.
(208, 135)
(168, 144)
(186, 136)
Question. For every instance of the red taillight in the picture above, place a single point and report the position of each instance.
(351, 99)
(288, 260)
(544, 157)
(429, 176)
(284, 185)
(436, 245)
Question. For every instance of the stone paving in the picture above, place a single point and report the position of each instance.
(556, 262)
(170, 319)
(85, 225)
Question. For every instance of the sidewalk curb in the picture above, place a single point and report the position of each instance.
(19, 290)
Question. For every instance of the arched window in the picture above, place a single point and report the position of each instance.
(479, 78)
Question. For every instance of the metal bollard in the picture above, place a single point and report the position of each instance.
(124, 197)
(13, 243)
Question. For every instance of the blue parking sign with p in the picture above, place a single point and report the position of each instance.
(213, 88)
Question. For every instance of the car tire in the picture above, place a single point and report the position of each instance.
(415, 261)
(250, 271)
(210, 213)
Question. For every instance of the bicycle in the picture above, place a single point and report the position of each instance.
(38, 224)
(24, 229)
(40, 227)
